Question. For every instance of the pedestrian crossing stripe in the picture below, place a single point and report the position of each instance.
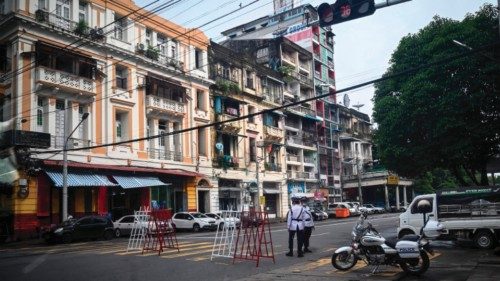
(186, 254)
(185, 246)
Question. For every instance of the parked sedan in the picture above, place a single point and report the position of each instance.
(125, 224)
(231, 222)
(88, 227)
(193, 221)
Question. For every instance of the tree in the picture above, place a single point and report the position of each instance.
(446, 116)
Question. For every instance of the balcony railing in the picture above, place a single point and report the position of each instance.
(162, 154)
(56, 21)
(225, 117)
(304, 79)
(225, 161)
(317, 74)
(305, 65)
(331, 81)
(331, 64)
(293, 158)
(289, 57)
(294, 140)
(67, 80)
(299, 175)
(168, 61)
(273, 132)
(303, 110)
(309, 159)
(273, 167)
(164, 104)
(292, 124)
(58, 142)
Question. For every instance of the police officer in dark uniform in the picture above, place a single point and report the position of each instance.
(295, 224)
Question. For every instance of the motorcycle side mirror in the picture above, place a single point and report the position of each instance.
(424, 206)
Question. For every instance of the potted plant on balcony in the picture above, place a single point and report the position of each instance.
(81, 28)
(286, 71)
(153, 53)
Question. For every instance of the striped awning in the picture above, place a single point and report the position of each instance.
(79, 179)
(137, 181)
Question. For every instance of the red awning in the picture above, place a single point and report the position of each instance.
(90, 167)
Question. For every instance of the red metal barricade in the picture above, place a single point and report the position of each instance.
(160, 233)
(256, 242)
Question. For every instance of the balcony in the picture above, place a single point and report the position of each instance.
(162, 154)
(293, 158)
(305, 66)
(303, 79)
(70, 82)
(309, 160)
(168, 61)
(60, 22)
(331, 81)
(302, 110)
(299, 175)
(289, 58)
(163, 105)
(323, 151)
(273, 132)
(295, 126)
(232, 127)
(273, 167)
(225, 161)
(331, 64)
(316, 37)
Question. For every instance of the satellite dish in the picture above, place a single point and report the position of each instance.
(347, 101)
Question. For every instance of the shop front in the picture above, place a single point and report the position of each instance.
(35, 202)
(231, 195)
(272, 194)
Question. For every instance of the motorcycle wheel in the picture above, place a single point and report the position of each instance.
(344, 260)
(416, 266)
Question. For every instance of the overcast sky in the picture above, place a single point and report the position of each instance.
(363, 47)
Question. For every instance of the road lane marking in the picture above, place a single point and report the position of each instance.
(320, 234)
(186, 254)
(34, 264)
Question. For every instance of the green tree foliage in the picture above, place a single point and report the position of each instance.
(446, 116)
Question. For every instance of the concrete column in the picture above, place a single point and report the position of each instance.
(405, 199)
(386, 193)
(397, 197)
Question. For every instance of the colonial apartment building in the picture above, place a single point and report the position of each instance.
(137, 75)
(248, 154)
(293, 22)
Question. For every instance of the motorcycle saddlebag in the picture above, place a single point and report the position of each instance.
(408, 249)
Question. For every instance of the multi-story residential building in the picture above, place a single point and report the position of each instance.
(293, 22)
(136, 75)
(359, 172)
(248, 160)
(300, 125)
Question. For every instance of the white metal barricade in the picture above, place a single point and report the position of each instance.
(225, 237)
(138, 233)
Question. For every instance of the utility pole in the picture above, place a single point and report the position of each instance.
(257, 176)
(359, 181)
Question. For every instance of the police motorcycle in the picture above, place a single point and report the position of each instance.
(410, 252)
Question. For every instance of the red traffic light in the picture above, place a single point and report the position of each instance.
(344, 10)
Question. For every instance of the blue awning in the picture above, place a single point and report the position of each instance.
(80, 179)
(315, 118)
(135, 181)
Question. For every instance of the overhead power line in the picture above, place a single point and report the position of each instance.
(388, 77)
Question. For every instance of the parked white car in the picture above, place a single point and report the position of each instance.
(231, 222)
(125, 224)
(193, 221)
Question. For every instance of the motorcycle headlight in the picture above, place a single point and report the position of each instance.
(59, 230)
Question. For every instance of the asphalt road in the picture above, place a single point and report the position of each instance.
(109, 260)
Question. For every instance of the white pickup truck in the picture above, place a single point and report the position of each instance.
(466, 213)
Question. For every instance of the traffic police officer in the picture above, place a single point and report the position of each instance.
(295, 223)
(308, 225)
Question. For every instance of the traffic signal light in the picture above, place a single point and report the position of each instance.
(344, 10)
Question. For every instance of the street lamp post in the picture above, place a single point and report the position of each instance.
(65, 169)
